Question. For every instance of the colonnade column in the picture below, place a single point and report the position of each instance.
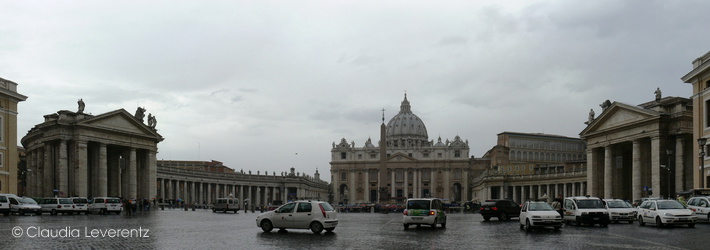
(637, 191)
(591, 175)
(515, 194)
(608, 180)
(81, 176)
(679, 164)
(102, 172)
(655, 165)
(63, 170)
(152, 173)
(132, 175)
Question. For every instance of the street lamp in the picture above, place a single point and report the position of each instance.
(701, 143)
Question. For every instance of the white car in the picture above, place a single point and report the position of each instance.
(536, 214)
(426, 211)
(23, 205)
(620, 210)
(701, 206)
(5, 203)
(664, 212)
(81, 204)
(314, 215)
(104, 205)
(585, 210)
(55, 205)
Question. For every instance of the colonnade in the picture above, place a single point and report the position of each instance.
(86, 168)
(524, 192)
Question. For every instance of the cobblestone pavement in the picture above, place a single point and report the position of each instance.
(177, 229)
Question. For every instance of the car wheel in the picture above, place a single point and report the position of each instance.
(522, 226)
(406, 226)
(214, 210)
(38, 213)
(21, 212)
(527, 225)
(433, 225)
(658, 222)
(502, 217)
(557, 228)
(103, 211)
(443, 224)
(224, 210)
(316, 227)
(578, 221)
(486, 218)
(267, 226)
(118, 212)
(641, 223)
(691, 225)
(53, 212)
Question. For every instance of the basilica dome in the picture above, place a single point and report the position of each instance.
(406, 126)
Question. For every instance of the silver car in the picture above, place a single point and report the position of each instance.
(24, 205)
(314, 215)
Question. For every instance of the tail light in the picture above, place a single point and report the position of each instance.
(405, 212)
(431, 212)
(495, 208)
(72, 206)
(481, 208)
(59, 206)
(321, 209)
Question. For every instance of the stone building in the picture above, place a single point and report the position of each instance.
(9, 98)
(80, 154)
(406, 165)
(526, 166)
(639, 151)
(699, 77)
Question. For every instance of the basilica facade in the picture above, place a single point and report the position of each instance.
(404, 164)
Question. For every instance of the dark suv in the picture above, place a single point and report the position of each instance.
(503, 209)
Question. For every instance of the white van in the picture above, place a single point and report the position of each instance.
(5, 203)
(425, 211)
(226, 204)
(585, 210)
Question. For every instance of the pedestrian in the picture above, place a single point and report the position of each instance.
(557, 205)
(681, 199)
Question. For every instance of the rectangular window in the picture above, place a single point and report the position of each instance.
(439, 155)
(373, 156)
(707, 113)
(343, 155)
(1, 160)
(457, 153)
(426, 155)
(359, 156)
(410, 154)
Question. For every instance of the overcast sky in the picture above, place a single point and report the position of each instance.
(269, 85)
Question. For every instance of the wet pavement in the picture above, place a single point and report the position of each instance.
(177, 229)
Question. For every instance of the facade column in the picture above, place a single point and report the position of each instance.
(608, 175)
(162, 189)
(679, 164)
(447, 184)
(132, 175)
(102, 189)
(152, 169)
(655, 166)
(393, 189)
(63, 170)
(209, 193)
(636, 185)
(81, 176)
(591, 173)
(240, 194)
(351, 187)
(515, 195)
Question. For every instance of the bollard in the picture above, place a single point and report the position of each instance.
(185, 208)
(162, 207)
(193, 207)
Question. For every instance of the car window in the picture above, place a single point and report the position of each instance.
(525, 207)
(590, 204)
(50, 201)
(703, 203)
(288, 208)
(27, 201)
(80, 201)
(65, 201)
(418, 204)
(113, 200)
(669, 205)
(3, 199)
(13, 201)
(304, 207)
(326, 206)
(569, 204)
(540, 206)
(618, 204)
(98, 200)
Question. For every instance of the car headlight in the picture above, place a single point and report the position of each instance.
(668, 214)
(536, 217)
(615, 213)
(605, 213)
(584, 213)
(558, 217)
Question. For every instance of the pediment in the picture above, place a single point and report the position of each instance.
(120, 121)
(620, 115)
(400, 157)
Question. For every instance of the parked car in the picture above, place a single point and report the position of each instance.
(503, 209)
(426, 211)
(665, 212)
(82, 205)
(56, 205)
(535, 214)
(105, 205)
(23, 205)
(225, 205)
(620, 210)
(585, 210)
(701, 206)
(314, 215)
(5, 204)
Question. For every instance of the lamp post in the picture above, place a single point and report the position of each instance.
(701, 143)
